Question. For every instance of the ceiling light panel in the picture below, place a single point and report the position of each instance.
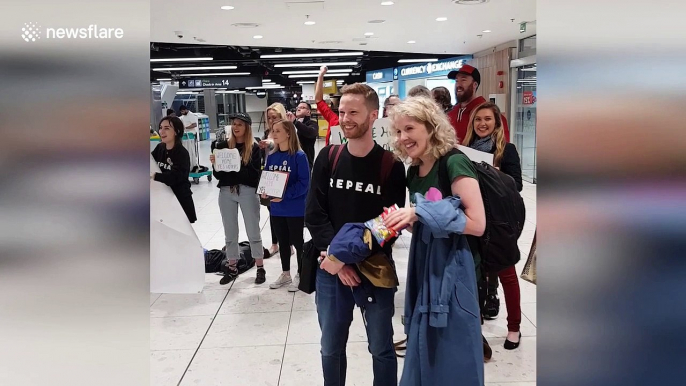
(417, 60)
(204, 58)
(316, 64)
(334, 70)
(194, 68)
(313, 55)
(316, 75)
(218, 74)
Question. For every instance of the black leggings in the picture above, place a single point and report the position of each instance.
(289, 231)
(271, 226)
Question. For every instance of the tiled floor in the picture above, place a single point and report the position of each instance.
(243, 334)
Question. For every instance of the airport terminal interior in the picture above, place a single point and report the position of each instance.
(216, 62)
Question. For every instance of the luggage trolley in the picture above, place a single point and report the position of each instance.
(188, 141)
(191, 144)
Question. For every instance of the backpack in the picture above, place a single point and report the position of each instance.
(215, 259)
(505, 213)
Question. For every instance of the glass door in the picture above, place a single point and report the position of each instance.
(525, 120)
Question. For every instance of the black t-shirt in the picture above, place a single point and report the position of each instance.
(352, 194)
(175, 166)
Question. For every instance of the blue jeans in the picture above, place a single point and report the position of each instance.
(335, 316)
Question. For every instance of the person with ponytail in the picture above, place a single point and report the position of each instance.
(486, 133)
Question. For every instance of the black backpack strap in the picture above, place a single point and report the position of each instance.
(387, 161)
(333, 158)
(444, 183)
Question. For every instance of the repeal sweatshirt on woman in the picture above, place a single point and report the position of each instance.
(292, 203)
(175, 165)
(249, 175)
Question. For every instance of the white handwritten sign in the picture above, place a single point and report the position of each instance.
(227, 160)
(381, 132)
(272, 184)
(476, 155)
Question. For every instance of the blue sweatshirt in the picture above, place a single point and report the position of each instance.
(293, 201)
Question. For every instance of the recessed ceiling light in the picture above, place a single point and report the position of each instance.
(257, 37)
(441, 18)
(227, 7)
(486, 31)
(245, 25)
(310, 22)
(368, 33)
(266, 80)
(411, 42)
(387, 3)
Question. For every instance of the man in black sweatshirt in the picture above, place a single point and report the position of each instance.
(354, 191)
(308, 130)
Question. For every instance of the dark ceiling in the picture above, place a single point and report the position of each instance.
(247, 59)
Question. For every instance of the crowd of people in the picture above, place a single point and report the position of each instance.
(449, 291)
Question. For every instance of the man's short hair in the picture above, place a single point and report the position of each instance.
(419, 90)
(371, 98)
(388, 99)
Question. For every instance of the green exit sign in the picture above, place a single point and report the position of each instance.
(522, 27)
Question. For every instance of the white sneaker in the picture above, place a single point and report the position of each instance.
(294, 286)
(281, 281)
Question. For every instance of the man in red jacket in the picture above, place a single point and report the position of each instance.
(467, 80)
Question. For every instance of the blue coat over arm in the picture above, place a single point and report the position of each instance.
(442, 323)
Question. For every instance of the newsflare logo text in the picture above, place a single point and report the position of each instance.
(31, 32)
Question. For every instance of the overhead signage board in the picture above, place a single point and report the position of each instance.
(229, 82)
(425, 70)
(380, 76)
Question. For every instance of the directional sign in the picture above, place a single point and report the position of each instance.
(230, 82)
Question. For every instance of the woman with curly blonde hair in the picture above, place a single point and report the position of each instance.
(441, 302)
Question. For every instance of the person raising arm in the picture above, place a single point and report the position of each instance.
(322, 107)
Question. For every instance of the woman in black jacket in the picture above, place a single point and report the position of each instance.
(175, 163)
(239, 189)
(486, 133)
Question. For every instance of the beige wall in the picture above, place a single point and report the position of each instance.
(489, 63)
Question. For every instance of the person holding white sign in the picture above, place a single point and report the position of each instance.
(238, 189)
(288, 211)
(485, 133)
